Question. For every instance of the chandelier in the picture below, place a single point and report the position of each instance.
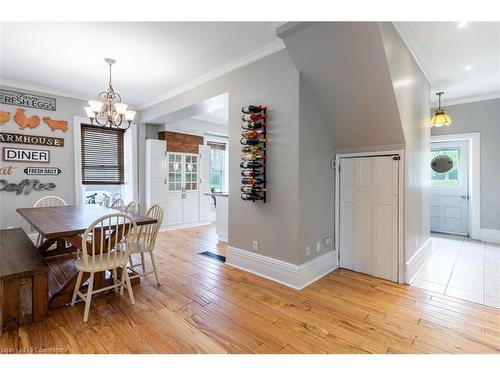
(440, 118)
(109, 110)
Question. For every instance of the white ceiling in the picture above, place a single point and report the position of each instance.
(464, 62)
(154, 59)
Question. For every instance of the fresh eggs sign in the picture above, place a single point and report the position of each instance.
(27, 100)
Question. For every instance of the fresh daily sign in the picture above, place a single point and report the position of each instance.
(27, 100)
(26, 155)
(31, 139)
(25, 186)
(41, 171)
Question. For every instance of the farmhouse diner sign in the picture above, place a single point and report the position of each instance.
(26, 155)
(26, 186)
(42, 171)
(27, 100)
(31, 139)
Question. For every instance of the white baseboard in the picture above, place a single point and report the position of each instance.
(417, 261)
(167, 228)
(490, 235)
(296, 277)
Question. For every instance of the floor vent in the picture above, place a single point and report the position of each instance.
(218, 257)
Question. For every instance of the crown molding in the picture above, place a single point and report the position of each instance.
(224, 69)
(410, 39)
(470, 99)
(41, 89)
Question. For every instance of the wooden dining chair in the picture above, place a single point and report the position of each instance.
(132, 208)
(105, 247)
(145, 243)
(48, 201)
(118, 204)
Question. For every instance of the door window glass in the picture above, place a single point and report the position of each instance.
(450, 178)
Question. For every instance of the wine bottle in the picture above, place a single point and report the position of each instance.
(253, 149)
(251, 197)
(251, 189)
(251, 134)
(251, 181)
(253, 117)
(250, 173)
(251, 164)
(251, 141)
(252, 125)
(253, 108)
(252, 157)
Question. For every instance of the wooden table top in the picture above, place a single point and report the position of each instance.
(66, 221)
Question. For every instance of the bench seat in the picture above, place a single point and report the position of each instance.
(20, 259)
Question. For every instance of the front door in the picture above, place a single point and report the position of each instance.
(450, 190)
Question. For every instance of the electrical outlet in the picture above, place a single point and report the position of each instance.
(328, 241)
(308, 250)
(255, 246)
(318, 247)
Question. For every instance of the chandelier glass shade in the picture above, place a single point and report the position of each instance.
(440, 118)
(109, 109)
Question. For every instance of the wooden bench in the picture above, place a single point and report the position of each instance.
(20, 259)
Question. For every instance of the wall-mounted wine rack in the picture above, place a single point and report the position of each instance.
(254, 155)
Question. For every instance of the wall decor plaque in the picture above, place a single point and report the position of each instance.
(26, 155)
(41, 171)
(4, 117)
(7, 171)
(26, 186)
(28, 139)
(26, 122)
(27, 100)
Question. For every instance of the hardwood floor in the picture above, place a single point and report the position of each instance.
(204, 306)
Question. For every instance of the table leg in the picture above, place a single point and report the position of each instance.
(40, 296)
(60, 249)
(9, 305)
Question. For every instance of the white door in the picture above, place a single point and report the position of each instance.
(204, 178)
(175, 206)
(157, 174)
(449, 191)
(191, 189)
(368, 198)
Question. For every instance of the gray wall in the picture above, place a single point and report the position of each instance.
(316, 178)
(482, 117)
(61, 157)
(274, 81)
(413, 107)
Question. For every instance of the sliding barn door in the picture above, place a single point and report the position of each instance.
(369, 215)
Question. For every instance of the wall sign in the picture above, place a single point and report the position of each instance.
(56, 124)
(4, 117)
(7, 171)
(27, 100)
(31, 139)
(26, 122)
(41, 171)
(26, 155)
(26, 186)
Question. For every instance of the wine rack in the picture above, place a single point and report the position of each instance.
(254, 153)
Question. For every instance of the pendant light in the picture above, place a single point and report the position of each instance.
(440, 118)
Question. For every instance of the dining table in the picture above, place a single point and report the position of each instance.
(61, 229)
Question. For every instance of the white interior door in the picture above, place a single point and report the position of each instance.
(175, 206)
(450, 190)
(191, 188)
(204, 180)
(368, 205)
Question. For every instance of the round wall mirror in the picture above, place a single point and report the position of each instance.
(441, 164)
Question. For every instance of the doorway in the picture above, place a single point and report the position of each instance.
(368, 191)
(450, 187)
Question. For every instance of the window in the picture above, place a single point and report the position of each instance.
(217, 165)
(102, 156)
(450, 178)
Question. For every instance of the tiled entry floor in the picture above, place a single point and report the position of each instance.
(463, 268)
